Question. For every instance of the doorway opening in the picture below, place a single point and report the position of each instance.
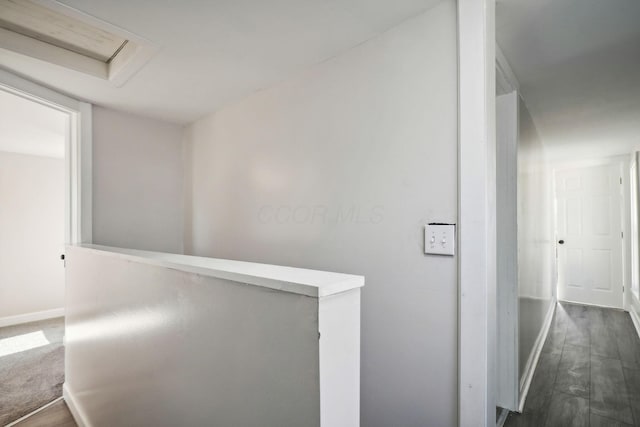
(590, 221)
(32, 221)
(566, 159)
(45, 194)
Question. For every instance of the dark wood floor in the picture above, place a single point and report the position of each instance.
(588, 374)
(56, 415)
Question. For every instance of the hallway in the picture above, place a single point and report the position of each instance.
(588, 373)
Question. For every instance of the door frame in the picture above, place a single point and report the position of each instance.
(476, 213)
(623, 162)
(634, 247)
(78, 157)
(507, 310)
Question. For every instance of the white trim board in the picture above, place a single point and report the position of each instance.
(123, 65)
(508, 307)
(532, 361)
(589, 304)
(476, 214)
(42, 408)
(76, 412)
(502, 417)
(302, 281)
(506, 78)
(632, 211)
(31, 317)
(635, 319)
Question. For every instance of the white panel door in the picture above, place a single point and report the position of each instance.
(589, 233)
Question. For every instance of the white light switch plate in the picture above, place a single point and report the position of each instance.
(440, 239)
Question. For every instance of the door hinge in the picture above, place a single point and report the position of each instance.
(620, 180)
(622, 234)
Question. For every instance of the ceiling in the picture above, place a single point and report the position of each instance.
(578, 65)
(27, 127)
(214, 52)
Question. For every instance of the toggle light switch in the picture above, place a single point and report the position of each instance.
(439, 239)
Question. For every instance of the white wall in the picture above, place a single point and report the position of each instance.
(526, 257)
(137, 182)
(536, 273)
(339, 169)
(31, 128)
(215, 343)
(31, 234)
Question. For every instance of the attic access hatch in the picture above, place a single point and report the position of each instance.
(52, 32)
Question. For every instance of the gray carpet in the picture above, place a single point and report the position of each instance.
(30, 377)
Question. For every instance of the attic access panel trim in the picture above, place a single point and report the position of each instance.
(52, 32)
(41, 23)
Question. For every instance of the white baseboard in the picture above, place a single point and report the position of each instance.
(590, 305)
(502, 418)
(532, 362)
(42, 408)
(31, 317)
(77, 413)
(635, 318)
